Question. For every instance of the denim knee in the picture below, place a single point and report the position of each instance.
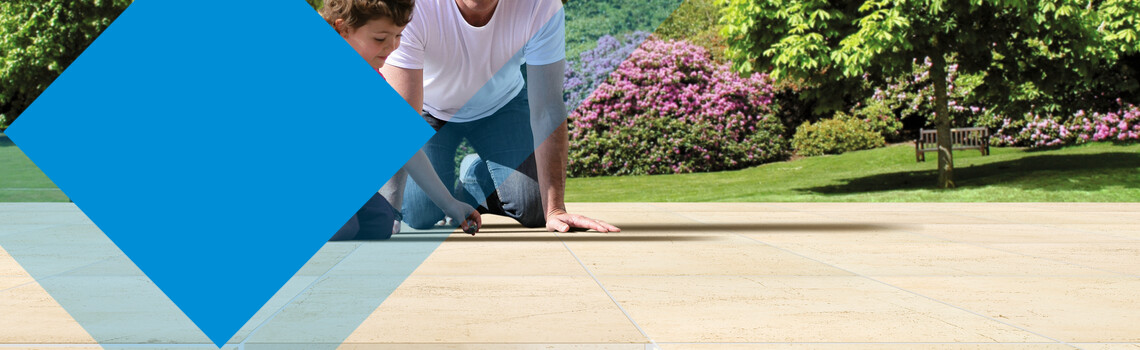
(419, 211)
(474, 178)
(532, 219)
(468, 173)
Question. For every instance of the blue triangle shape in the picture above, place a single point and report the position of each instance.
(220, 217)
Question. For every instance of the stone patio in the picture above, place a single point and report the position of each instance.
(703, 276)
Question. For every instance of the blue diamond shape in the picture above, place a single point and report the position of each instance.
(219, 146)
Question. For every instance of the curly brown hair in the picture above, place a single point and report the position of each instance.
(356, 13)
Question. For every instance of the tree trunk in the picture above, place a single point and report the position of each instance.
(942, 118)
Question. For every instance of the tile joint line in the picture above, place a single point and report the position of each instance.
(871, 278)
(652, 345)
(241, 345)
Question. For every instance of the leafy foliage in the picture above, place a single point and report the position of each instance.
(695, 21)
(39, 39)
(834, 136)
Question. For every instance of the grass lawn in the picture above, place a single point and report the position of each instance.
(22, 181)
(1100, 172)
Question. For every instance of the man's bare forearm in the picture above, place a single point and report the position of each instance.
(551, 158)
(548, 126)
(409, 83)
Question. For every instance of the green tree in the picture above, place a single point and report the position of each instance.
(1046, 43)
(316, 4)
(695, 21)
(39, 39)
(588, 20)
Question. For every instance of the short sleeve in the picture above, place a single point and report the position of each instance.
(410, 54)
(549, 44)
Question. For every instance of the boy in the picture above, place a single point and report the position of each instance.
(373, 28)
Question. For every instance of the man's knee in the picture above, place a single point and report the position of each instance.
(524, 202)
(470, 168)
(419, 212)
(532, 219)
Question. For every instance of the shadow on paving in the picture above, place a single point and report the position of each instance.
(637, 232)
(1014, 173)
(646, 232)
(705, 227)
(5, 141)
(490, 237)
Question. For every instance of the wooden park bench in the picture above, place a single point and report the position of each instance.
(964, 138)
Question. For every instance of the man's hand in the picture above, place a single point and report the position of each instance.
(561, 221)
(464, 214)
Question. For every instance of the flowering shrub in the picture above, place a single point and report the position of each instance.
(1049, 131)
(669, 108)
(834, 136)
(1116, 126)
(595, 65)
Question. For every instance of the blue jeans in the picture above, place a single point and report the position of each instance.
(501, 178)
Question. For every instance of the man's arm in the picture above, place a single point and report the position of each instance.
(548, 124)
(409, 83)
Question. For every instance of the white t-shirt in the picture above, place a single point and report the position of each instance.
(471, 72)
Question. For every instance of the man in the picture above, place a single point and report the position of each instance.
(458, 62)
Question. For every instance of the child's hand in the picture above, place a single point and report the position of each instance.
(469, 219)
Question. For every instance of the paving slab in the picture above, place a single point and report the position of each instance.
(31, 316)
(1079, 207)
(1059, 217)
(1119, 257)
(475, 256)
(498, 309)
(921, 259)
(1104, 346)
(715, 254)
(1069, 309)
(8, 214)
(797, 309)
(8, 282)
(869, 346)
(503, 346)
(679, 276)
(1129, 231)
(9, 267)
(1017, 234)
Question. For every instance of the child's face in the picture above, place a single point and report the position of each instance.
(374, 40)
